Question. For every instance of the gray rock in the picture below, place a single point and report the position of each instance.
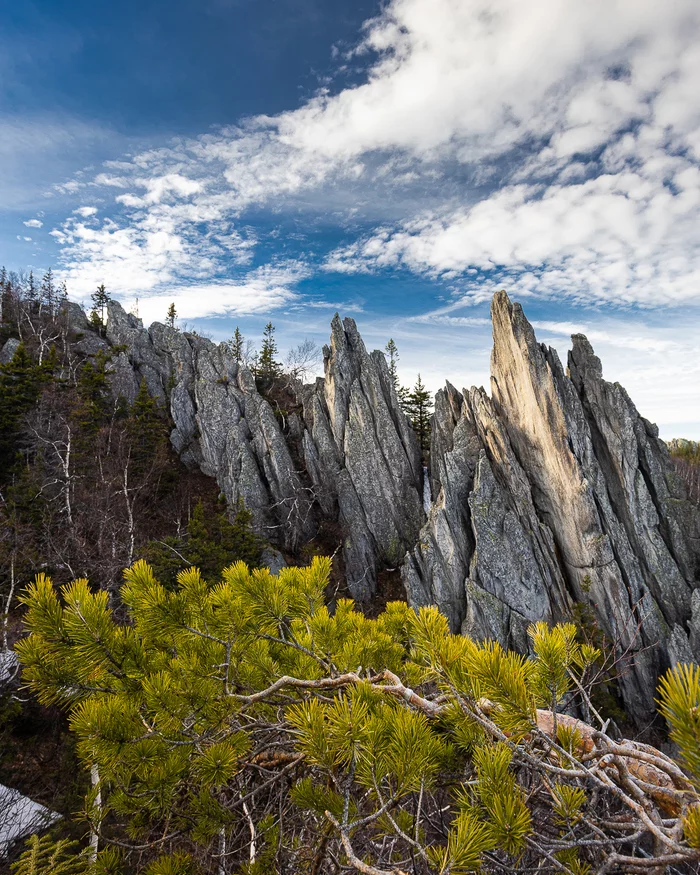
(272, 559)
(694, 625)
(76, 320)
(558, 491)
(7, 353)
(678, 647)
(122, 378)
(89, 344)
(366, 457)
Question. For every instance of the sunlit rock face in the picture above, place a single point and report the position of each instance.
(557, 491)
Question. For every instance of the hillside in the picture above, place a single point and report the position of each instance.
(549, 500)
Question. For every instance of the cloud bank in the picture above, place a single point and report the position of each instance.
(558, 145)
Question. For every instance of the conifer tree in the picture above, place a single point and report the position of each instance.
(236, 345)
(241, 720)
(147, 429)
(48, 292)
(418, 407)
(93, 408)
(210, 542)
(392, 353)
(31, 292)
(20, 384)
(100, 298)
(171, 318)
(268, 368)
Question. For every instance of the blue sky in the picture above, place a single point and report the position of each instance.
(399, 162)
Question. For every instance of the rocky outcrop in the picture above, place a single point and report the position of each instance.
(348, 454)
(8, 350)
(363, 457)
(562, 494)
(552, 491)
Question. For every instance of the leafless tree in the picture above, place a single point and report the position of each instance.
(303, 359)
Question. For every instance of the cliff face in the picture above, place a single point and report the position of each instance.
(561, 493)
(552, 491)
(351, 456)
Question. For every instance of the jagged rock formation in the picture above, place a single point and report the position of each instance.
(556, 491)
(351, 456)
(552, 491)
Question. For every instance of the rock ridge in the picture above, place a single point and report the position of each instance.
(350, 454)
(562, 493)
(550, 491)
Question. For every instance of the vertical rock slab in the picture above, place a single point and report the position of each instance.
(554, 491)
(366, 456)
(484, 556)
(644, 491)
(551, 436)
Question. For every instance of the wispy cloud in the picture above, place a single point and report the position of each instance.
(259, 291)
(558, 145)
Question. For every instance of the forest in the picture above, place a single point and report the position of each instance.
(185, 710)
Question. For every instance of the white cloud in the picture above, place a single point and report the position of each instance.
(624, 238)
(259, 291)
(86, 212)
(557, 145)
(34, 223)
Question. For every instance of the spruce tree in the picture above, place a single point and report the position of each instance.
(100, 298)
(418, 407)
(31, 291)
(93, 408)
(392, 353)
(148, 430)
(236, 345)
(48, 292)
(20, 384)
(171, 318)
(210, 542)
(268, 368)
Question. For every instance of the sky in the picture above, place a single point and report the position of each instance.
(256, 160)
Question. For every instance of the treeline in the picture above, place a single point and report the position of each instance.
(89, 482)
(686, 460)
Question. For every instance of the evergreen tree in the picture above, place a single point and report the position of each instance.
(48, 292)
(31, 292)
(236, 345)
(418, 407)
(20, 384)
(392, 353)
(171, 318)
(211, 542)
(147, 429)
(268, 369)
(242, 720)
(100, 298)
(93, 408)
